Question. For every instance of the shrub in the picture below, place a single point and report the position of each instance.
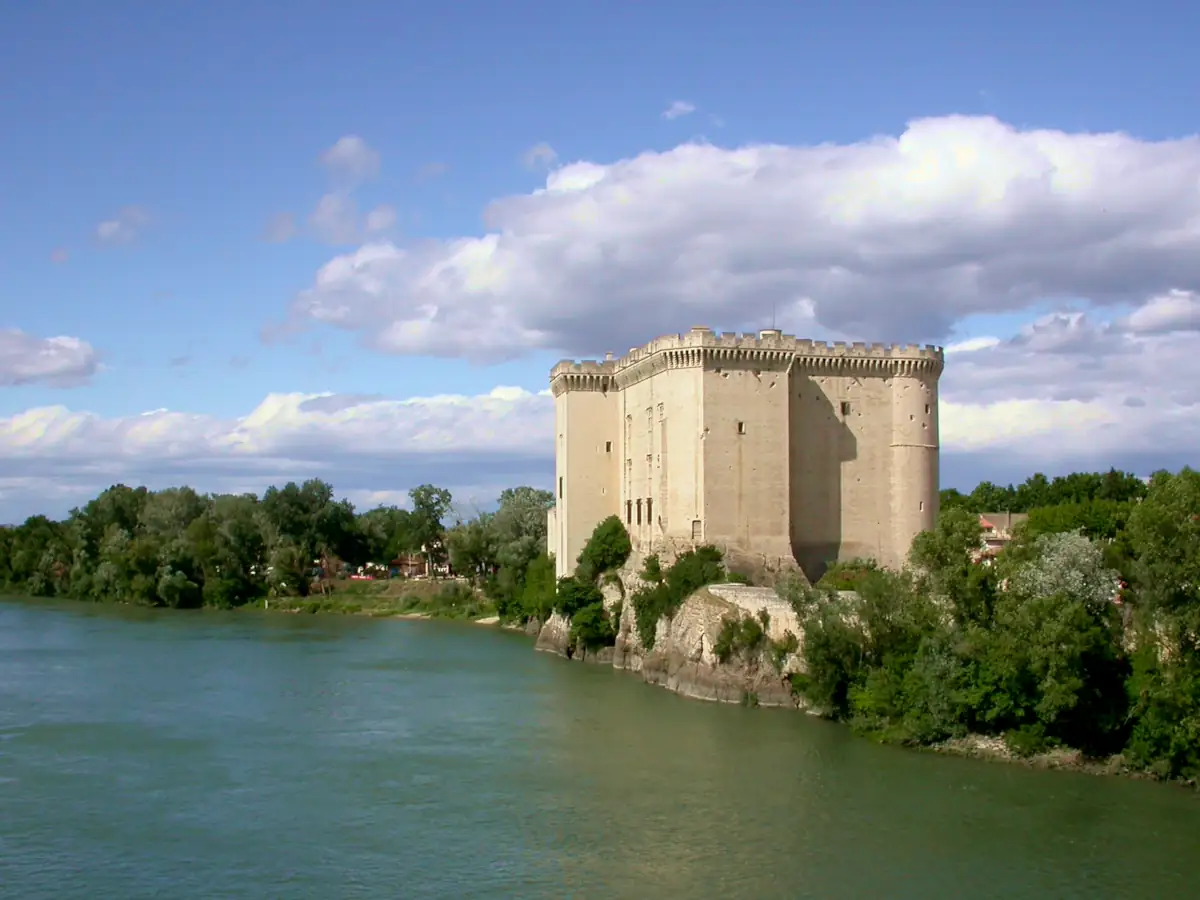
(607, 549)
(846, 575)
(743, 636)
(592, 627)
(667, 589)
(574, 594)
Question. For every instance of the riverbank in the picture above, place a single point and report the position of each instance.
(392, 598)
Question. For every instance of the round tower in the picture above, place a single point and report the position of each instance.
(915, 448)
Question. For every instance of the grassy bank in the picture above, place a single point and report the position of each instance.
(393, 597)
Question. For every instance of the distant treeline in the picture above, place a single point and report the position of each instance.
(182, 549)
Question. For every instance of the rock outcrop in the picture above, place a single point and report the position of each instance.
(683, 658)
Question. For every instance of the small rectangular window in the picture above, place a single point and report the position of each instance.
(639, 512)
(696, 529)
(921, 506)
(608, 446)
(926, 409)
(628, 512)
(741, 427)
(559, 487)
(649, 506)
(845, 407)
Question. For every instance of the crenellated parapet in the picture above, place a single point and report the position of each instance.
(588, 375)
(768, 350)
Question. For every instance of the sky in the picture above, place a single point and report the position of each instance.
(244, 243)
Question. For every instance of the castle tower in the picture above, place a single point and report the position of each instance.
(914, 451)
(586, 486)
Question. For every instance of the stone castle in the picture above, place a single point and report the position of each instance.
(786, 450)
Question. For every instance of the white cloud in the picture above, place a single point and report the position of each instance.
(892, 238)
(58, 361)
(363, 445)
(280, 228)
(539, 156)
(335, 219)
(122, 228)
(351, 159)
(677, 109)
(1173, 311)
(381, 218)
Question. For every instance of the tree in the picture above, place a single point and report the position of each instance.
(429, 507)
(472, 547)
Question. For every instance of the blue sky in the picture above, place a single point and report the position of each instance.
(205, 122)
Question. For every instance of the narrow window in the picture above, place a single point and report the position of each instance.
(559, 487)
(649, 507)
(608, 446)
(639, 511)
(628, 512)
(921, 506)
(696, 527)
(741, 427)
(845, 407)
(926, 409)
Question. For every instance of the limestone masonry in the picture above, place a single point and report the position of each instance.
(788, 450)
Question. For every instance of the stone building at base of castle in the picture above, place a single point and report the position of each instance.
(789, 451)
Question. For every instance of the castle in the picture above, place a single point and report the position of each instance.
(789, 450)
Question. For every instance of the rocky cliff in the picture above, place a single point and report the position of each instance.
(683, 658)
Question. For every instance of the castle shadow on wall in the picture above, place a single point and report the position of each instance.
(820, 443)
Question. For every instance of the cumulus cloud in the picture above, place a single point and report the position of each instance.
(363, 445)
(539, 156)
(1066, 392)
(892, 238)
(1173, 311)
(57, 361)
(381, 218)
(122, 228)
(351, 160)
(280, 228)
(678, 109)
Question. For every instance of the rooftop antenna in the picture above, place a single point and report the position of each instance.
(773, 316)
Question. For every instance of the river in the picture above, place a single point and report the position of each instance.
(256, 755)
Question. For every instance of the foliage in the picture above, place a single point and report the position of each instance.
(1040, 491)
(538, 592)
(574, 594)
(181, 549)
(606, 550)
(845, 575)
(945, 650)
(743, 636)
(665, 590)
(593, 626)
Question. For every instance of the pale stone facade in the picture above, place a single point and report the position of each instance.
(779, 447)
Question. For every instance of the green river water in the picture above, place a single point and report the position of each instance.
(207, 755)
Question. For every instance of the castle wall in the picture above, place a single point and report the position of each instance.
(586, 486)
(841, 435)
(661, 463)
(745, 447)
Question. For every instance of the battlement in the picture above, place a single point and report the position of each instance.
(701, 343)
(585, 367)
